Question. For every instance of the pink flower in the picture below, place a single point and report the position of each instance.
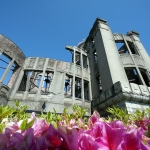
(94, 118)
(146, 140)
(70, 137)
(17, 141)
(117, 124)
(133, 140)
(29, 138)
(87, 142)
(106, 136)
(72, 122)
(142, 123)
(53, 138)
(13, 127)
(40, 144)
(39, 126)
(3, 141)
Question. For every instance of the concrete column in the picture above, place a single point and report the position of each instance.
(135, 38)
(90, 90)
(17, 84)
(6, 71)
(35, 64)
(73, 85)
(54, 78)
(139, 73)
(12, 82)
(82, 81)
(27, 88)
(93, 82)
(109, 63)
(43, 74)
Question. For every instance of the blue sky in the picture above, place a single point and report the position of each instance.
(44, 27)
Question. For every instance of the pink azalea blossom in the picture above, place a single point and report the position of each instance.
(70, 137)
(39, 126)
(3, 141)
(142, 123)
(13, 127)
(75, 135)
(133, 140)
(53, 138)
(94, 118)
(87, 142)
(107, 136)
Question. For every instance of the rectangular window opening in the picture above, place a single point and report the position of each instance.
(30, 81)
(132, 48)
(133, 76)
(85, 65)
(145, 76)
(78, 87)
(122, 49)
(68, 86)
(86, 90)
(77, 58)
(47, 82)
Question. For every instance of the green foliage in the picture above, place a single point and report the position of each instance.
(54, 118)
(117, 113)
(79, 112)
(2, 126)
(5, 111)
(20, 111)
(25, 124)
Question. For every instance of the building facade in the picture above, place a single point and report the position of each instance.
(43, 83)
(107, 69)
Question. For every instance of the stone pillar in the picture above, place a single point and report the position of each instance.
(35, 64)
(6, 71)
(82, 81)
(27, 88)
(139, 46)
(90, 90)
(73, 84)
(40, 86)
(14, 76)
(13, 79)
(109, 63)
(17, 84)
(93, 82)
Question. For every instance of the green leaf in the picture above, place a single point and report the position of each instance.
(65, 110)
(54, 124)
(23, 124)
(49, 115)
(28, 125)
(17, 103)
(54, 110)
(2, 126)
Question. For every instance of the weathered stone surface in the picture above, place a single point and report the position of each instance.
(99, 72)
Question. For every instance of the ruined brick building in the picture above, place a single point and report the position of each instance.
(101, 74)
